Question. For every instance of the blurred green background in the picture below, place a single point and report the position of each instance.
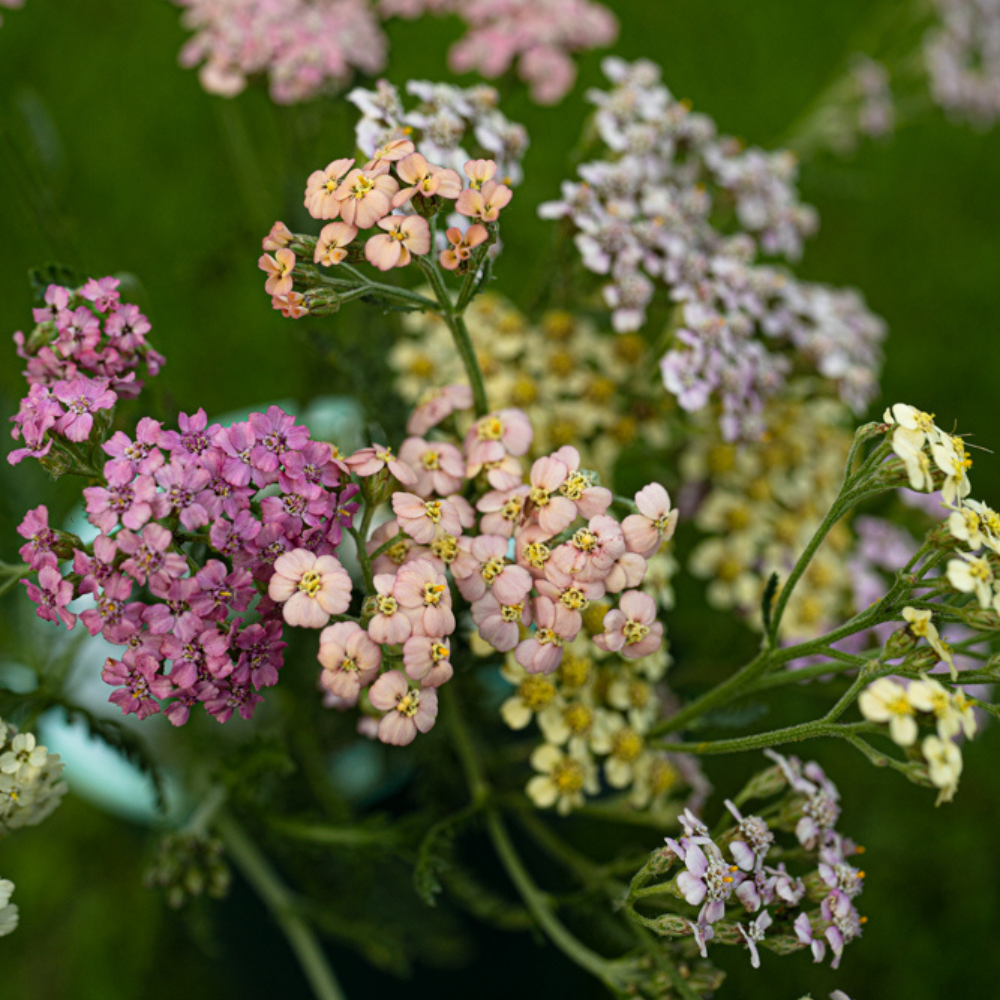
(112, 159)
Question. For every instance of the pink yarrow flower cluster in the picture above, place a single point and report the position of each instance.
(394, 192)
(82, 356)
(267, 506)
(539, 35)
(304, 47)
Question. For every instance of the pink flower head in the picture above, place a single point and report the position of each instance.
(579, 485)
(427, 660)
(148, 555)
(479, 172)
(291, 306)
(500, 624)
(321, 189)
(423, 594)
(365, 197)
(82, 397)
(425, 180)
(439, 466)
(438, 406)
(41, 538)
(653, 525)
(331, 247)
(496, 435)
(390, 624)
(404, 235)
(394, 151)
(54, 593)
(631, 630)
(407, 711)
(369, 461)
(138, 683)
(349, 657)
(502, 510)
(484, 205)
(490, 570)
(278, 270)
(279, 236)
(555, 625)
(421, 518)
(591, 552)
(548, 507)
(461, 245)
(312, 587)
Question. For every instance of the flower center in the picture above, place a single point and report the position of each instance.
(408, 704)
(433, 592)
(635, 632)
(626, 745)
(386, 604)
(574, 599)
(431, 460)
(492, 568)
(585, 540)
(362, 186)
(579, 718)
(489, 429)
(568, 776)
(433, 508)
(539, 496)
(536, 692)
(537, 553)
(311, 583)
(511, 612)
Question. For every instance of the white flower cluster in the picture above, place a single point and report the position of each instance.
(594, 713)
(650, 212)
(963, 59)
(30, 785)
(887, 701)
(8, 910)
(448, 126)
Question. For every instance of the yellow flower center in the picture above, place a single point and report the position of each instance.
(349, 664)
(445, 548)
(536, 692)
(579, 718)
(511, 612)
(539, 496)
(489, 429)
(492, 568)
(568, 776)
(546, 637)
(511, 510)
(433, 508)
(431, 460)
(439, 652)
(537, 553)
(311, 583)
(362, 187)
(408, 704)
(433, 592)
(574, 671)
(574, 486)
(386, 604)
(635, 632)
(585, 540)
(574, 599)
(626, 744)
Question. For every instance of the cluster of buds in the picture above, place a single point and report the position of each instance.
(304, 47)
(237, 498)
(646, 214)
(376, 195)
(31, 784)
(540, 35)
(743, 871)
(187, 866)
(82, 356)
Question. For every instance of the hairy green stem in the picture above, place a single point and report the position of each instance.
(775, 738)
(280, 901)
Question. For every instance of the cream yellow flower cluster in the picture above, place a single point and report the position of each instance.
(599, 392)
(887, 701)
(594, 714)
(763, 504)
(30, 788)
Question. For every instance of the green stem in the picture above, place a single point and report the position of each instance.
(659, 957)
(385, 546)
(322, 833)
(460, 334)
(280, 901)
(775, 738)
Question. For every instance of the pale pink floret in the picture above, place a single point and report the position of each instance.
(555, 625)
(395, 150)
(279, 236)
(646, 531)
(370, 461)
(421, 518)
(428, 660)
(404, 235)
(491, 571)
(461, 245)
(292, 306)
(424, 596)
(331, 247)
(552, 511)
(591, 552)
(438, 465)
(502, 510)
(321, 189)
(365, 196)
(479, 172)
(425, 179)
(349, 658)
(500, 624)
(389, 624)
(407, 711)
(629, 570)
(589, 499)
(438, 406)
(278, 270)
(484, 205)
(631, 630)
(312, 587)
(493, 437)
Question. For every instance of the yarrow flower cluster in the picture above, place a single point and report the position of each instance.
(259, 500)
(8, 911)
(645, 216)
(31, 785)
(82, 356)
(539, 35)
(962, 52)
(360, 198)
(742, 871)
(577, 385)
(304, 47)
